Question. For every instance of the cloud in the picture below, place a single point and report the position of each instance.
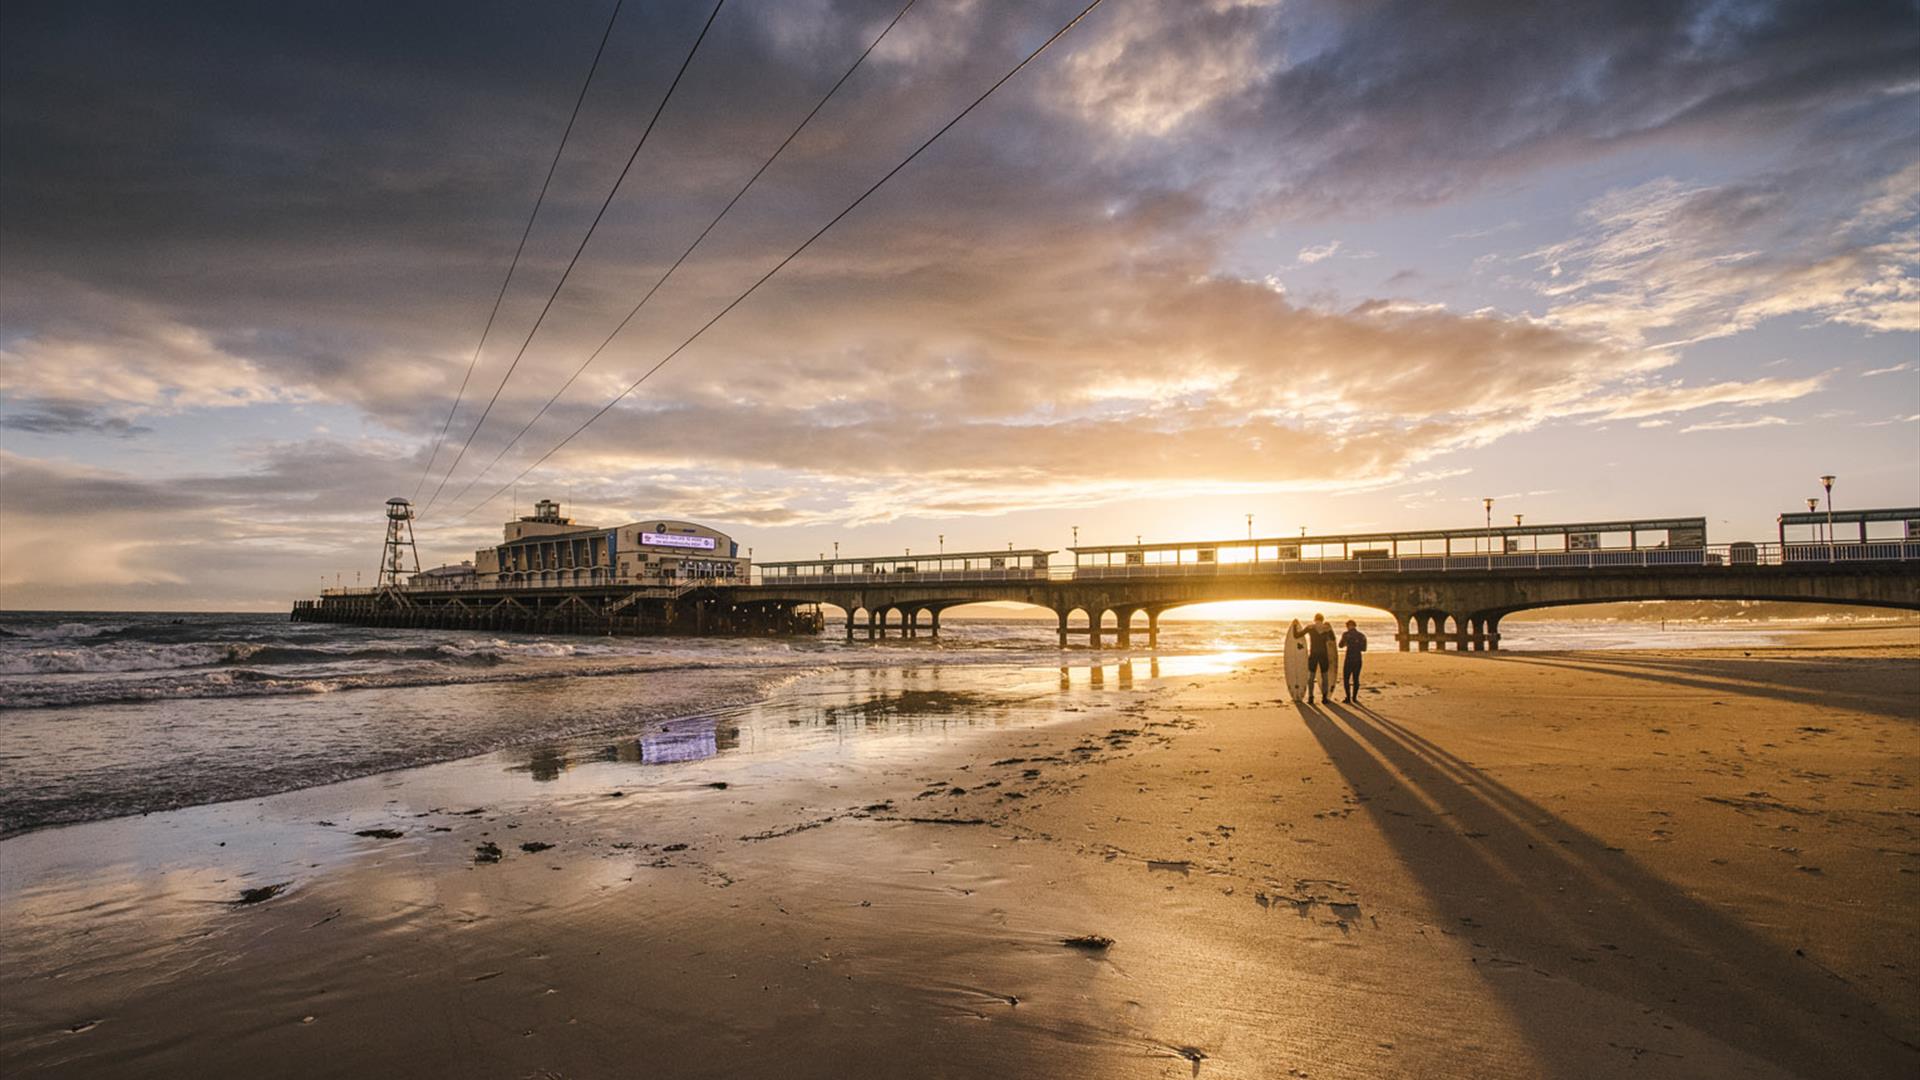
(1739, 425)
(1886, 370)
(66, 418)
(1310, 255)
(1677, 397)
(1666, 262)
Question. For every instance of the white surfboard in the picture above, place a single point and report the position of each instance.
(1296, 648)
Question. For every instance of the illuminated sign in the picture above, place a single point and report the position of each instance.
(704, 543)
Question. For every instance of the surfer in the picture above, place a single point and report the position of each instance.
(1321, 657)
(1355, 643)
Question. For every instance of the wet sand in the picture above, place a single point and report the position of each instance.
(1678, 864)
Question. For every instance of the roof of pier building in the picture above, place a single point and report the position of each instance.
(1693, 528)
(1851, 517)
(546, 525)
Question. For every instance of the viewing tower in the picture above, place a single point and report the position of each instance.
(399, 556)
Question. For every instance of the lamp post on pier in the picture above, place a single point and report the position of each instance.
(1827, 482)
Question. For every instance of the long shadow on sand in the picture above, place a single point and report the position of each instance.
(1538, 893)
(1782, 677)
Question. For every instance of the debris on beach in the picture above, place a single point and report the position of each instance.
(1089, 942)
(532, 846)
(718, 785)
(381, 834)
(260, 894)
(488, 852)
(674, 847)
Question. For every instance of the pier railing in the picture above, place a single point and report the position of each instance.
(668, 587)
(918, 577)
(1720, 555)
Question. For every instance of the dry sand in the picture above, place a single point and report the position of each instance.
(1692, 864)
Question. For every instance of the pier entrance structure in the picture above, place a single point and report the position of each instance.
(1446, 588)
(546, 549)
(551, 574)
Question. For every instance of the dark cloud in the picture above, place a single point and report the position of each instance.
(66, 418)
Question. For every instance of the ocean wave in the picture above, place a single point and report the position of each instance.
(126, 657)
(250, 682)
(65, 631)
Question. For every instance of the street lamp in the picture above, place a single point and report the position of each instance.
(943, 544)
(1076, 536)
(1249, 526)
(1827, 482)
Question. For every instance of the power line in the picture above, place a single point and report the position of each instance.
(551, 297)
(524, 233)
(794, 254)
(788, 141)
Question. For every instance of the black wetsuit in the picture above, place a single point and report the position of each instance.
(1321, 656)
(1355, 643)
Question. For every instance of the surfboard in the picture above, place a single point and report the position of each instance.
(1296, 648)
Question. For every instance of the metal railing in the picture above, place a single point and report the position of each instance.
(915, 577)
(1719, 555)
(678, 586)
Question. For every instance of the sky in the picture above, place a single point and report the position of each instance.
(1349, 265)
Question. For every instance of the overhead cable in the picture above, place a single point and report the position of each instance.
(524, 233)
(764, 166)
(551, 297)
(794, 254)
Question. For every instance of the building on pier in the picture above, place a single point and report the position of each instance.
(1817, 534)
(548, 549)
(1685, 537)
(460, 575)
(1013, 564)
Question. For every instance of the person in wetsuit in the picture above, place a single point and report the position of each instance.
(1321, 657)
(1355, 643)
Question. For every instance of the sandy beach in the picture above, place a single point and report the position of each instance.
(1666, 864)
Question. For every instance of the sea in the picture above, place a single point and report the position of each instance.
(104, 714)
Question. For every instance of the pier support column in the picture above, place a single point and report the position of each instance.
(1493, 633)
(872, 619)
(934, 613)
(1063, 628)
(1423, 630)
(1461, 638)
(1094, 615)
(910, 622)
(1400, 635)
(849, 624)
(1153, 628)
(1124, 623)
